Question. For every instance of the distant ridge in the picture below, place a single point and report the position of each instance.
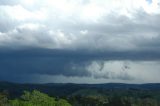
(63, 89)
(148, 86)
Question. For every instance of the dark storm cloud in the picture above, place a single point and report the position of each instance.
(40, 62)
(63, 62)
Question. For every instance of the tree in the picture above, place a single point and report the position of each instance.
(62, 102)
(36, 98)
(3, 99)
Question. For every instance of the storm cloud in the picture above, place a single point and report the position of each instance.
(98, 65)
(101, 40)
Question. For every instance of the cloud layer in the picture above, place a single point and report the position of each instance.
(92, 25)
(97, 39)
(44, 65)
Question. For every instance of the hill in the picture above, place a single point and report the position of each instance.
(60, 89)
(109, 94)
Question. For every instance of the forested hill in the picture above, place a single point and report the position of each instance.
(109, 94)
(60, 89)
(147, 86)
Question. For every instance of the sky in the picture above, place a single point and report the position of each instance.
(80, 41)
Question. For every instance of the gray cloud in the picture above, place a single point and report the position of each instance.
(112, 31)
(78, 38)
(119, 34)
(107, 65)
(9, 2)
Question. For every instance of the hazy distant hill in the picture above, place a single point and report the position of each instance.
(58, 89)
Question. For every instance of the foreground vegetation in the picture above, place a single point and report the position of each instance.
(34, 98)
(79, 95)
(113, 101)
